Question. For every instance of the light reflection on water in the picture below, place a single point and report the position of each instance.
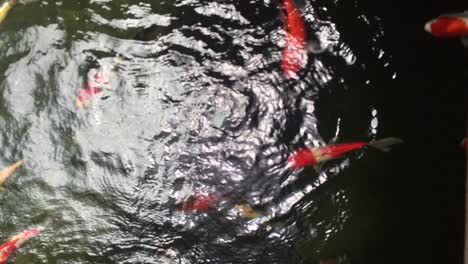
(198, 104)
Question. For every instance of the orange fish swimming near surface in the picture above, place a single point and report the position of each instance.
(309, 157)
(454, 25)
(294, 55)
(6, 172)
(15, 242)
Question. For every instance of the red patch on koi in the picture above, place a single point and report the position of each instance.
(339, 149)
(302, 158)
(15, 242)
(447, 26)
(201, 202)
(309, 157)
(294, 53)
(87, 93)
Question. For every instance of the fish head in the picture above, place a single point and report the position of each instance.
(427, 26)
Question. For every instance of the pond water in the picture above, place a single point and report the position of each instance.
(196, 102)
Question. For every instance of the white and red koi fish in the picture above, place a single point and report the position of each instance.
(310, 157)
(294, 55)
(15, 242)
(454, 25)
(93, 88)
(86, 94)
(6, 172)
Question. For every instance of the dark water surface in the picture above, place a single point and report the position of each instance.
(198, 103)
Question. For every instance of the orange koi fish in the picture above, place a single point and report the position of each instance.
(309, 157)
(6, 172)
(455, 25)
(5, 9)
(294, 53)
(15, 242)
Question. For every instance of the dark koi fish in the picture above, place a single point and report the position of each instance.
(455, 25)
(309, 157)
(15, 242)
(294, 53)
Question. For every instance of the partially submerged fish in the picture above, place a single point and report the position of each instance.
(6, 172)
(201, 202)
(452, 25)
(15, 242)
(93, 88)
(86, 94)
(294, 55)
(5, 9)
(309, 157)
(247, 211)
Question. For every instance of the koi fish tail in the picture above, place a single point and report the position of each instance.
(384, 144)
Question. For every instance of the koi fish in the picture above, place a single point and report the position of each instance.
(93, 88)
(201, 202)
(247, 211)
(15, 242)
(309, 157)
(86, 94)
(294, 55)
(6, 172)
(5, 9)
(454, 25)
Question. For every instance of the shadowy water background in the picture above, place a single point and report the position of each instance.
(198, 103)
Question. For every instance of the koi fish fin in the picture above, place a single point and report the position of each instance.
(385, 143)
